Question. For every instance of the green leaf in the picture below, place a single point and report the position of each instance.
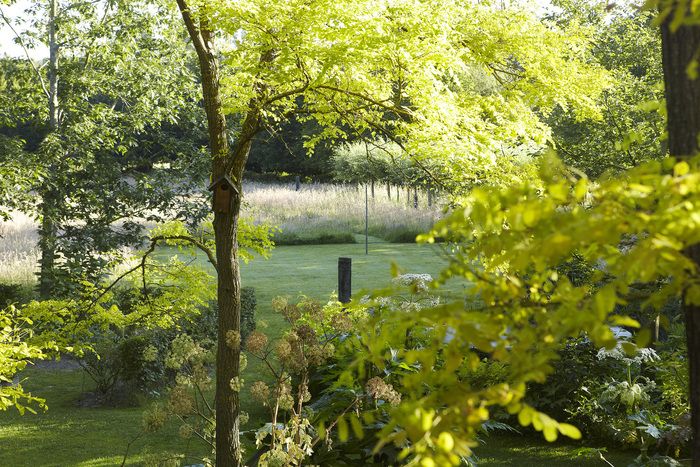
(569, 430)
(343, 432)
(356, 427)
(681, 168)
(643, 337)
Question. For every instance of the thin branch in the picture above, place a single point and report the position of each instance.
(194, 242)
(335, 422)
(26, 52)
(364, 97)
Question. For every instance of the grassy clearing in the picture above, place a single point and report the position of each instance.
(70, 436)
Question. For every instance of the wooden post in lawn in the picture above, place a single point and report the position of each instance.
(297, 182)
(344, 279)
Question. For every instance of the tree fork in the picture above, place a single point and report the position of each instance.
(683, 108)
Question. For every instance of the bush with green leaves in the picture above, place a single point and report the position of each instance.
(507, 247)
(15, 354)
(16, 294)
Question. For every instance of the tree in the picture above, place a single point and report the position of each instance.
(280, 148)
(627, 44)
(680, 46)
(111, 101)
(404, 71)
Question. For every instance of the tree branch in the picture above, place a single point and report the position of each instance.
(194, 242)
(195, 34)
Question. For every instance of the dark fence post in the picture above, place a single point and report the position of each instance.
(344, 279)
(297, 182)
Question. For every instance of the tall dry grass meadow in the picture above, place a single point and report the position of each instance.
(19, 253)
(338, 211)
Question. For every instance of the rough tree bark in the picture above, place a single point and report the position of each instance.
(683, 106)
(230, 162)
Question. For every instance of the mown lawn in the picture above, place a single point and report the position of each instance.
(70, 436)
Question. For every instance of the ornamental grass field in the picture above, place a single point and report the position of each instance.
(328, 213)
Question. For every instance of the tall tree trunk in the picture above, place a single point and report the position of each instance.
(228, 451)
(48, 231)
(229, 163)
(683, 107)
(47, 243)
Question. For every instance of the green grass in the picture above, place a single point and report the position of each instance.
(533, 451)
(70, 436)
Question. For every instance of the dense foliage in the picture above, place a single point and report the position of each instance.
(572, 268)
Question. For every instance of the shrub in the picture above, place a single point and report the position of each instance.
(123, 367)
(15, 294)
(315, 238)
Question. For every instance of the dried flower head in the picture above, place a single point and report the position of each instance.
(342, 322)
(256, 342)
(236, 384)
(181, 401)
(286, 401)
(378, 389)
(154, 418)
(279, 303)
(318, 354)
(306, 333)
(260, 392)
(186, 431)
(283, 349)
(311, 307)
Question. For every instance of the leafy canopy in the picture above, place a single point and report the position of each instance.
(450, 81)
